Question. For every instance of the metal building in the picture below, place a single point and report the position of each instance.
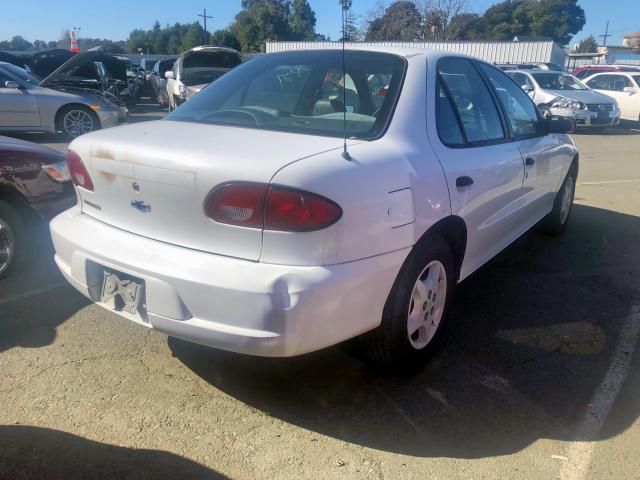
(494, 52)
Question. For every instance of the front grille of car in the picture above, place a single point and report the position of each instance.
(600, 107)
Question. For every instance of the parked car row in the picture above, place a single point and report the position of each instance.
(598, 102)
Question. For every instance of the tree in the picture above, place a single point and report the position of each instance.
(401, 21)
(193, 36)
(558, 19)
(225, 38)
(261, 21)
(302, 21)
(466, 26)
(439, 14)
(498, 20)
(52, 44)
(16, 43)
(349, 31)
(587, 45)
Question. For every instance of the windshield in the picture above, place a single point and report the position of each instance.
(558, 81)
(637, 79)
(304, 92)
(21, 73)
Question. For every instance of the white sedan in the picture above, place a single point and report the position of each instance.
(624, 87)
(240, 222)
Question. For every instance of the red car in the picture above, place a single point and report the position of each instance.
(588, 70)
(34, 182)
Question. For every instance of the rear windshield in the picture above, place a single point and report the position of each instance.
(304, 92)
(206, 67)
(558, 81)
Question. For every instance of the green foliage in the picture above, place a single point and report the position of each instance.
(173, 39)
(467, 26)
(447, 20)
(225, 38)
(17, 43)
(587, 45)
(302, 21)
(261, 21)
(557, 19)
(401, 21)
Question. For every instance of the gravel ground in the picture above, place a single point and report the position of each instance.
(531, 339)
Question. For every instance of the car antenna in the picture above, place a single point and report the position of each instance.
(345, 152)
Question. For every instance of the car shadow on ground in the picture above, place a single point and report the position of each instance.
(528, 341)
(35, 299)
(31, 452)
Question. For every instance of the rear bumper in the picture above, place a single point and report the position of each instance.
(227, 303)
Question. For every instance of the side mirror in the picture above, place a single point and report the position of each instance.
(527, 88)
(630, 90)
(560, 124)
(168, 74)
(11, 84)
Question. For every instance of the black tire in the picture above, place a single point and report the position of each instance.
(11, 229)
(555, 223)
(67, 110)
(390, 345)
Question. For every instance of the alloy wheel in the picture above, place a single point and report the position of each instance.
(77, 122)
(7, 245)
(427, 304)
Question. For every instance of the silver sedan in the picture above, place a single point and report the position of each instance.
(27, 106)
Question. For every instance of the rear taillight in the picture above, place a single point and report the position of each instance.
(79, 175)
(256, 205)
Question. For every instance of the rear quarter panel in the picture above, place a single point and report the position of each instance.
(391, 191)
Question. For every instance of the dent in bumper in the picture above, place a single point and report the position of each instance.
(232, 304)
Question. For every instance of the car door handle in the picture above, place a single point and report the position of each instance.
(529, 162)
(464, 181)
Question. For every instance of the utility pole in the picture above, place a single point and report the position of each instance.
(606, 34)
(206, 36)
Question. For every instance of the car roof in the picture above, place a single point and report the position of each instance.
(532, 71)
(406, 52)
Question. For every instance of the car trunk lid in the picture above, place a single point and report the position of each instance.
(152, 179)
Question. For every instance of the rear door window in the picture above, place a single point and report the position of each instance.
(520, 111)
(474, 105)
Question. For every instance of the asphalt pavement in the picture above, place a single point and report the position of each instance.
(538, 378)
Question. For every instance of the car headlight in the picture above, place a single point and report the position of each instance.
(183, 91)
(562, 102)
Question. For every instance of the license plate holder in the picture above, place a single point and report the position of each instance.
(123, 293)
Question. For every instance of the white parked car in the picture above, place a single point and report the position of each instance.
(558, 93)
(239, 222)
(624, 87)
(197, 68)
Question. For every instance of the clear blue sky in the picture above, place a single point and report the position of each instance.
(44, 20)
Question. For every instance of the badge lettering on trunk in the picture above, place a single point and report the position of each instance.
(140, 205)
